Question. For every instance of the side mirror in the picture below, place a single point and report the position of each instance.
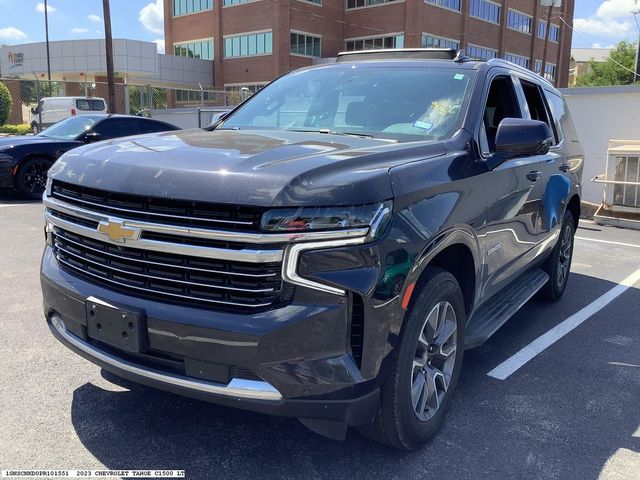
(519, 137)
(91, 137)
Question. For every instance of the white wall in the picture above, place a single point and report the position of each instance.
(601, 114)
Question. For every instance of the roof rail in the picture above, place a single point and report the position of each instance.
(401, 53)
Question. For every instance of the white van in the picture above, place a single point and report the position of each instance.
(54, 109)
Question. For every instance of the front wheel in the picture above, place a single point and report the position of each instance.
(558, 264)
(414, 399)
(31, 178)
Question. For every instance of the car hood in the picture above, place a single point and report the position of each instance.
(17, 141)
(249, 167)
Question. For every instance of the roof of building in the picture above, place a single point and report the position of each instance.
(588, 54)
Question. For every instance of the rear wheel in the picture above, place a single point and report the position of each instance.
(417, 394)
(31, 178)
(34, 128)
(558, 264)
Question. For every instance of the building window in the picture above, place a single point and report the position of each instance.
(448, 4)
(317, 2)
(431, 41)
(194, 96)
(235, 2)
(186, 7)
(537, 66)
(485, 10)
(517, 59)
(393, 41)
(554, 33)
(244, 87)
(365, 3)
(303, 44)
(477, 52)
(519, 21)
(550, 72)
(248, 45)
(200, 49)
(542, 28)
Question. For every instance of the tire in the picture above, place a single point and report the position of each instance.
(426, 366)
(31, 178)
(558, 265)
(34, 128)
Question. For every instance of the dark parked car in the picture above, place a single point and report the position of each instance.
(24, 161)
(330, 248)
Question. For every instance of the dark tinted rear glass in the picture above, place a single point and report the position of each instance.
(90, 104)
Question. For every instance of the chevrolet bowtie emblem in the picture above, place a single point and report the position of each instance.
(117, 232)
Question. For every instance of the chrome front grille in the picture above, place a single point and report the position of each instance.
(217, 283)
(162, 210)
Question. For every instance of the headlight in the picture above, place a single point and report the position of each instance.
(327, 218)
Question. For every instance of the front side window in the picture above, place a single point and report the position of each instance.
(117, 127)
(373, 43)
(501, 103)
(485, 10)
(403, 104)
(70, 128)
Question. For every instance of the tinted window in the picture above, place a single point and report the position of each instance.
(117, 127)
(151, 126)
(501, 103)
(90, 104)
(403, 103)
(535, 102)
(558, 110)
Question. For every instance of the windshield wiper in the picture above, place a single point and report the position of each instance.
(327, 131)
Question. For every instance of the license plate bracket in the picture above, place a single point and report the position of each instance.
(121, 328)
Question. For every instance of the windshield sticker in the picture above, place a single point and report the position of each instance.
(458, 76)
(422, 125)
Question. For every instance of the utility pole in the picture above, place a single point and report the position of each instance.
(108, 43)
(46, 32)
(546, 40)
(637, 69)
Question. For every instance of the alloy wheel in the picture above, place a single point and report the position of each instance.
(35, 177)
(434, 361)
(564, 257)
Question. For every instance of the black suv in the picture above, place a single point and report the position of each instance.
(329, 249)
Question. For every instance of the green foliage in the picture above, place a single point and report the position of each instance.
(612, 71)
(5, 103)
(15, 129)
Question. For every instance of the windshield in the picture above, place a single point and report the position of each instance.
(400, 103)
(70, 128)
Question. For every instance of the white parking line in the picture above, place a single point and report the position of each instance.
(608, 241)
(513, 363)
(14, 205)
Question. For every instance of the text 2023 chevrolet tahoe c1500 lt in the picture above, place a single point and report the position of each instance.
(329, 249)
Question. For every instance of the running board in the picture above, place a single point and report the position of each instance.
(500, 308)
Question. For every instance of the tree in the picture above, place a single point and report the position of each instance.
(5, 103)
(612, 71)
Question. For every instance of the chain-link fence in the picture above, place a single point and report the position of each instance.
(21, 101)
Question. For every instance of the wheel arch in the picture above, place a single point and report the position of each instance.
(574, 207)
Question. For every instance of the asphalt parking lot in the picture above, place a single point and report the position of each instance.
(570, 412)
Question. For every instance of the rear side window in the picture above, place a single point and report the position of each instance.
(559, 111)
(151, 126)
(538, 106)
(90, 104)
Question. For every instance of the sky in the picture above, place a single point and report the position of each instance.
(597, 23)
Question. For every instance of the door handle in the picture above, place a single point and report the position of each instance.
(533, 176)
(564, 166)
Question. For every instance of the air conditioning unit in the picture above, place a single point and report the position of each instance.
(621, 205)
(622, 190)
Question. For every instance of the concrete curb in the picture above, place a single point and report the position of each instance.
(588, 209)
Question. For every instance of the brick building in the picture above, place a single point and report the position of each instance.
(253, 41)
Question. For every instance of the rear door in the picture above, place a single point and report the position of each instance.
(513, 191)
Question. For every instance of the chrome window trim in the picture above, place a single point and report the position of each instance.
(244, 255)
(237, 388)
(212, 234)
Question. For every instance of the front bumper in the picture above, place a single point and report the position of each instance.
(298, 353)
